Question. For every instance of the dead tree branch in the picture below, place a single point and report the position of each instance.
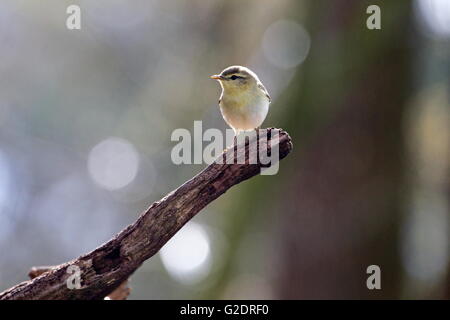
(107, 267)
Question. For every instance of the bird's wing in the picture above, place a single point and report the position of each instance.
(261, 86)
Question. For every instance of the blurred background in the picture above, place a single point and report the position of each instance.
(86, 118)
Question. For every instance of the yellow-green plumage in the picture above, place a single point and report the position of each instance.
(244, 102)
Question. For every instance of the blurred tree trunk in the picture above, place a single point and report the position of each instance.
(343, 210)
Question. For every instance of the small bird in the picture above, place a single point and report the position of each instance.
(244, 101)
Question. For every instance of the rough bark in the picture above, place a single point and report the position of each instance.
(110, 265)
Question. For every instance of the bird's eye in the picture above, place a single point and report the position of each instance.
(234, 77)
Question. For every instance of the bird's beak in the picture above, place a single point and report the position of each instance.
(217, 77)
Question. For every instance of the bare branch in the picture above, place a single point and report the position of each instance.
(107, 267)
(37, 271)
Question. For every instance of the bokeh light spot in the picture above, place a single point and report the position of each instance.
(436, 16)
(113, 163)
(286, 44)
(187, 255)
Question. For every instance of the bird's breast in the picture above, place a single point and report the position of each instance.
(244, 111)
(241, 99)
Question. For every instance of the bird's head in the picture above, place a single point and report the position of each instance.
(237, 78)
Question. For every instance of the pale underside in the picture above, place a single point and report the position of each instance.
(245, 111)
